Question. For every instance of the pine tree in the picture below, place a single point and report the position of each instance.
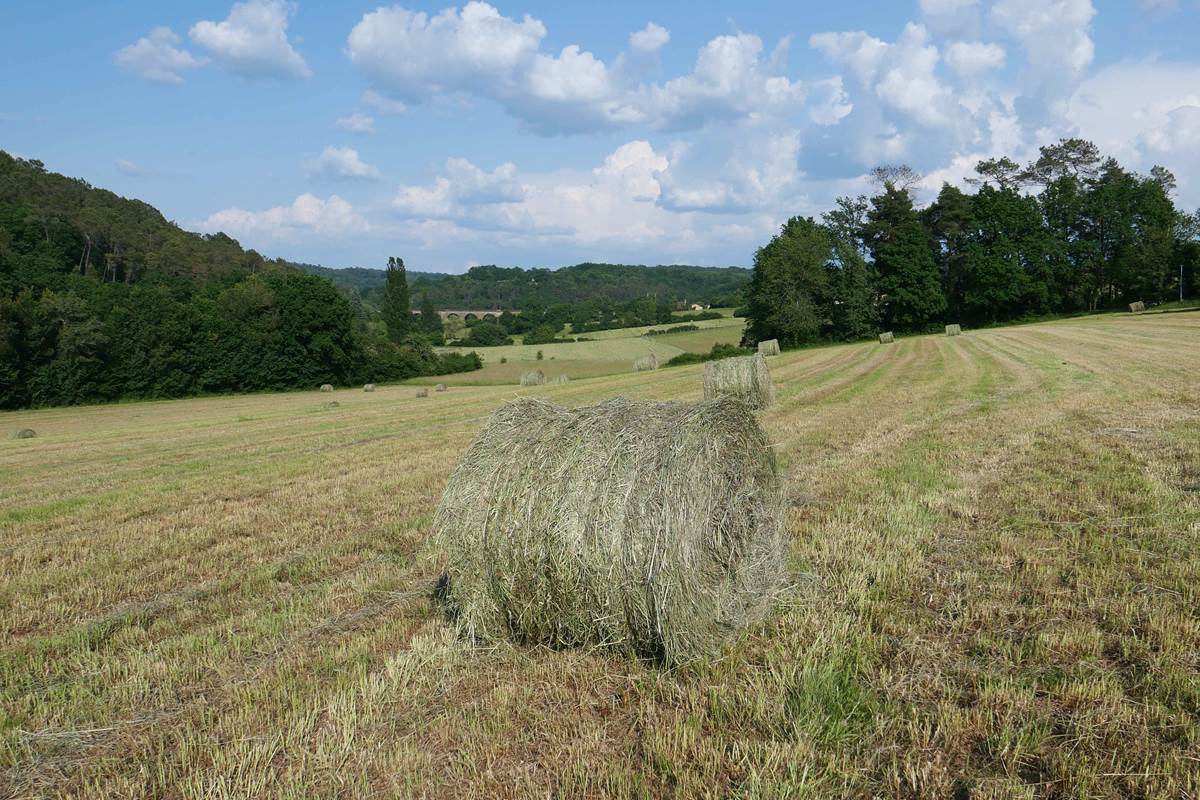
(397, 311)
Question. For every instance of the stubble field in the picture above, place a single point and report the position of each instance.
(995, 540)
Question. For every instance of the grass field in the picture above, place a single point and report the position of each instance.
(995, 540)
(609, 353)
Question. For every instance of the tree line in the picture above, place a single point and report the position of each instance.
(1070, 232)
(103, 299)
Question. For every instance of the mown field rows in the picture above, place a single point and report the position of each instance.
(993, 540)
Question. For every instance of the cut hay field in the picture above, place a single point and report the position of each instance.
(994, 538)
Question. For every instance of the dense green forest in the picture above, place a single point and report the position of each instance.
(513, 288)
(101, 298)
(1070, 232)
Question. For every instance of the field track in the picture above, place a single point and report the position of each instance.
(995, 540)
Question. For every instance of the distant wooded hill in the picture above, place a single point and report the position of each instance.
(103, 298)
(513, 288)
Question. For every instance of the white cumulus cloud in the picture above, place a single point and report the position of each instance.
(156, 57)
(649, 39)
(252, 41)
(411, 57)
(341, 163)
(308, 213)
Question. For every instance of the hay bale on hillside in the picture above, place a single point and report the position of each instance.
(886, 337)
(953, 330)
(368, 387)
(326, 387)
(745, 378)
(651, 527)
(769, 348)
(330, 404)
(1137, 307)
(534, 378)
(645, 363)
(441, 387)
(561, 379)
(23, 433)
(422, 392)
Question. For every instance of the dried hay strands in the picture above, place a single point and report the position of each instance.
(645, 363)
(770, 347)
(744, 378)
(650, 527)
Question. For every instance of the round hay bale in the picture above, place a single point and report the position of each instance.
(649, 527)
(330, 404)
(953, 330)
(422, 393)
(645, 363)
(23, 433)
(1137, 307)
(561, 379)
(886, 337)
(770, 347)
(534, 378)
(326, 387)
(441, 387)
(368, 387)
(744, 378)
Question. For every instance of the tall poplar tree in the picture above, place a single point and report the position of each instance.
(397, 310)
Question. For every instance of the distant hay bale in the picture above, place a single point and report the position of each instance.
(769, 348)
(422, 392)
(23, 433)
(326, 387)
(645, 363)
(953, 330)
(368, 387)
(560, 379)
(649, 527)
(441, 387)
(886, 338)
(1137, 307)
(330, 404)
(745, 378)
(534, 378)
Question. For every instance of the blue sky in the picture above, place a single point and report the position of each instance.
(542, 134)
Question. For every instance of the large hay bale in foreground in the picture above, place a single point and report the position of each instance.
(745, 379)
(886, 337)
(368, 387)
(645, 363)
(326, 387)
(441, 387)
(422, 392)
(953, 330)
(651, 527)
(534, 378)
(23, 433)
(769, 348)
(1137, 307)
